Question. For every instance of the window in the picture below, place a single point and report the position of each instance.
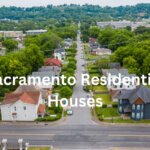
(24, 108)
(133, 115)
(120, 101)
(138, 115)
(133, 106)
(142, 107)
(142, 115)
(15, 108)
(138, 107)
(120, 109)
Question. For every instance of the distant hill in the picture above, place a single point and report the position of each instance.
(76, 12)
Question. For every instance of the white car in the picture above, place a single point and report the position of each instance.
(69, 111)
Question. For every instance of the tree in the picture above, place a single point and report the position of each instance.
(10, 44)
(94, 31)
(65, 92)
(131, 64)
(146, 65)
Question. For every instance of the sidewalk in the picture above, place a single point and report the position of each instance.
(35, 123)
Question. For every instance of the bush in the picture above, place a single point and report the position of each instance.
(70, 71)
(104, 106)
(49, 118)
(115, 105)
(65, 92)
(101, 117)
(72, 65)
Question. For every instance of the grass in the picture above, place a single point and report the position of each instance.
(120, 120)
(105, 98)
(100, 88)
(38, 148)
(107, 112)
(91, 57)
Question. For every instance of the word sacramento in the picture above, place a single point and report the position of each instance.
(85, 80)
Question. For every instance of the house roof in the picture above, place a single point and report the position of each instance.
(49, 68)
(114, 93)
(141, 92)
(41, 109)
(123, 72)
(102, 50)
(59, 50)
(115, 65)
(31, 88)
(26, 88)
(52, 61)
(43, 74)
(26, 97)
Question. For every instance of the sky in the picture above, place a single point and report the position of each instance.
(30, 3)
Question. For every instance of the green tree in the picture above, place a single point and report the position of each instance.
(10, 44)
(65, 92)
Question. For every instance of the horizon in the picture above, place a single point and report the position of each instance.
(38, 3)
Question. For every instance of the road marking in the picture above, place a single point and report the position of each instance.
(128, 135)
(28, 134)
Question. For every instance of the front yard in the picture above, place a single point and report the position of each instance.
(103, 113)
(105, 98)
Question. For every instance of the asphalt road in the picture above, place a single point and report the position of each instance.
(81, 116)
(79, 131)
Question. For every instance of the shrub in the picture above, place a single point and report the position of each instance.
(65, 92)
(115, 105)
(104, 106)
(72, 65)
(49, 118)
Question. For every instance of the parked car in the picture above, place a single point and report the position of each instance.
(69, 111)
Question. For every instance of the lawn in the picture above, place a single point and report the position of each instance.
(100, 88)
(107, 112)
(120, 120)
(105, 98)
(91, 57)
(39, 148)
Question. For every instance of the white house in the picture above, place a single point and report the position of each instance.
(60, 54)
(101, 51)
(35, 32)
(24, 106)
(119, 85)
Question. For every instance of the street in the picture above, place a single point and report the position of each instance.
(79, 131)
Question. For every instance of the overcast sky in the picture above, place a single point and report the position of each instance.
(30, 3)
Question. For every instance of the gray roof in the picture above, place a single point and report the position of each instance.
(115, 65)
(26, 88)
(141, 92)
(50, 68)
(123, 72)
(59, 50)
(31, 88)
(43, 74)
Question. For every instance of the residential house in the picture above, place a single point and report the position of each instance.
(114, 65)
(60, 54)
(68, 43)
(35, 32)
(55, 69)
(101, 51)
(135, 103)
(114, 73)
(22, 105)
(32, 88)
(52, 62)
(43, 79)
(123, 24)
(17, 35)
